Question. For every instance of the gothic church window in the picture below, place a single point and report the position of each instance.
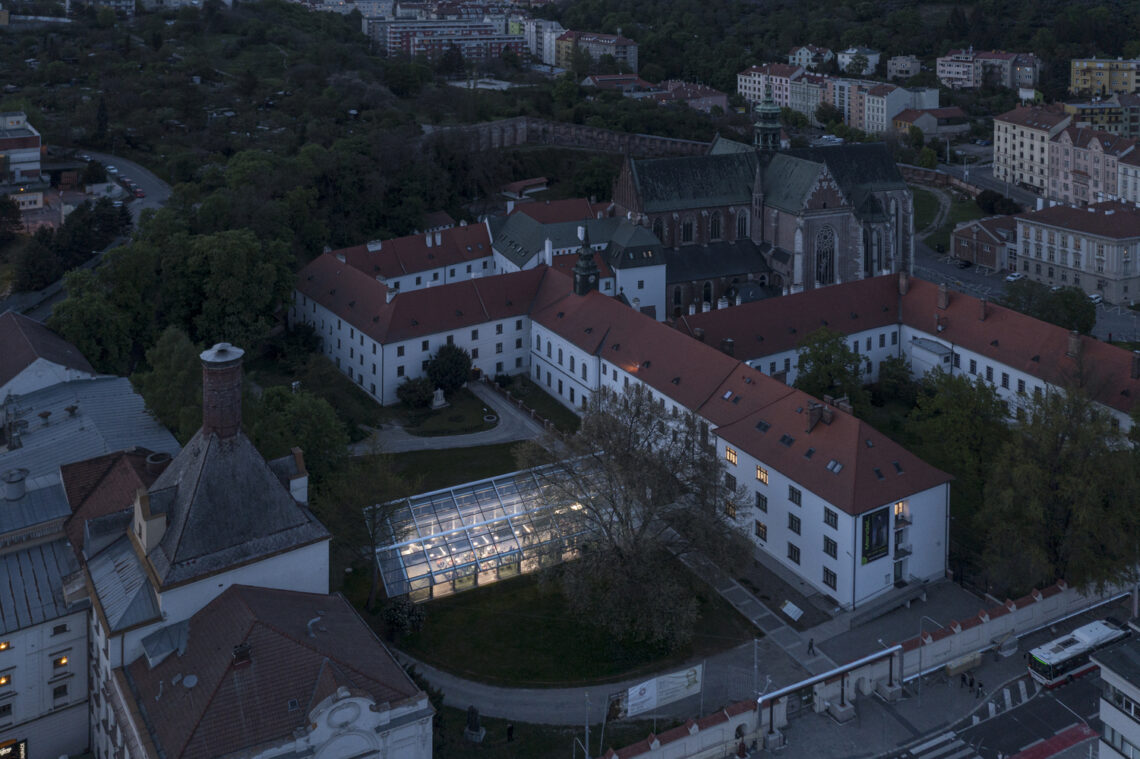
(825, 256)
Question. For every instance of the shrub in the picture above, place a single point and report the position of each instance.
(417, 392)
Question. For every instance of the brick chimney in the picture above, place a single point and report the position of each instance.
(221, 390)
(982, 310)
(943, 296)
(1135, 364)
(904, 283)
(728, 346)
(1074, 350)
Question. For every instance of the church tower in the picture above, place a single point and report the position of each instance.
(586, 270)
(766, 129)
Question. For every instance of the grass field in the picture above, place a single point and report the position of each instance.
(521, 632)
(960, 210)
(443, 469)
(925, 208)
(463, 416)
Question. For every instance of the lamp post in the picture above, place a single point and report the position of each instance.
(921, 643)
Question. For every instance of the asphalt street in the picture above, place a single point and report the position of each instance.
(157, 191)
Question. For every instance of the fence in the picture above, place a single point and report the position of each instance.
(518, 402)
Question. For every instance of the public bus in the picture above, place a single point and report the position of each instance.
(1060, 660)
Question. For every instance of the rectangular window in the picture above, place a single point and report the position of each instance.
(761, 502)
(1005, 380)
(794, 523)
(498, 347)
(794, 495)
(641, 284)
(5, 710)
(761, 530)
(730, 455)
(794, 553)
(830, 518)
(729, 481)
(399, 350)
(973, 366)
(1021, 386)
(424, 346)
(58, 630)
(830, 547)
(474, 334)
(399, 371)
(59, 662)
(59, 691)
(894, 338)
(518, 362)
(518, 343)
(762, 474)
(518, 324)
(882, 339)
(829, 578)
(989, 374)
(498, 329)
(474, 353)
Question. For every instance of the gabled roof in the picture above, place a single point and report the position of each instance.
(675, 184)
(1111, 218)
(773, 69)
(1034, 117)
(411, 254)
(224, 506)
(31, 585)
(124, 597)
(553, 211)
(362, 301)
(1000, 229)
(293, 665)
(788, 181)
(103, 485)
(1083, 137)
(24, 340)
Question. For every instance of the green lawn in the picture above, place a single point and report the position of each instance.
(521, 632)
(925, 208)
(543, 403)
(444, 469)
(960, 210)
(464, 415)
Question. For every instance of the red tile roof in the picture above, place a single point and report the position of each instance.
(23, 340)
(411, 254)
(361, 300)
(555, 211)
(234, 707)
(991, 226)
(566, 262)
(523, 185)
(773, 69)
(1111, 218)
(1036, 117)
(1082, 137)
(103, 485)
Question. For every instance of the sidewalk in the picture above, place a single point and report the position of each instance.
(513, 425)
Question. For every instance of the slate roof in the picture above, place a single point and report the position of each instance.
(231, 708)
(788, 181)
(721, 145)
(109, 416)
(123, 594)
(695, 262)
(31, 585)
(24, 340)
(224, 506)
(705, 181)
(522, 237)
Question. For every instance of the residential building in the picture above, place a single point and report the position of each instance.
(1083, 165)
(1103, 114)
(806, 93)
(630, 85)
(696, 96)
(1119, 699)
(810, 56)
(931, 327)
(1021, 144)
(903, 67)
(935, 123)
(19, 148)
(967, 69)
(540, 35)
(43, 627)
(1095, 248)
(302, 672)
(622, 50)
(753, 83)
(879, 104)
(990, 242)
(1103, 76)
(845, 57)
(431, 38)
(35, 357)
(1128, 178)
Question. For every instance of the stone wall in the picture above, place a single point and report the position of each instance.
(526, 130)
(934, 178)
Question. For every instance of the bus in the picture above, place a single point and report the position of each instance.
(1060, 660)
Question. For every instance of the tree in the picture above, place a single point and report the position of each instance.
(1066, 307)
(449, 368)
(88, 320)
(1060, 500)
(282, 420)
(826, 114)
(172, 388)
(632, 472)
(927, 158)
(915, 137)
(36, 265)
(896, 382)
(10, 221)
(416, 392)
(858, 65)
(827, 366)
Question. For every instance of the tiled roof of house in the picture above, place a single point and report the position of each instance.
(1035, 117)
(554, 211)
(1082, 137)
(224, 507)
(881, 89)
(1111, 218)
(103, 485)
(360, 300)
(293, 665)
(773, 69)
(23, 340)
(1000, 229)
(411, 254)
(908, 115)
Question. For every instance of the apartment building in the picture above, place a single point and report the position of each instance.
(810, 56)
(1128, 177)
(879, 105)
(1103, 114)
(1021, 144)
(1083, 165)
(845, 57)
(990, 242)
(1103, 76)
(622, 50)
(968, 69)
(431, 38)
(752, 84)
(903, 67)
(540, 35)
(1119, 699)
(805, 94)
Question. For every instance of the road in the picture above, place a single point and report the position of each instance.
(157, 191)
(983, 176)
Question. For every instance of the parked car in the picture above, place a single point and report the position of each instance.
(1096, 298)
(1015, 276)
(111, 169)
(139, 193)
(963, 263)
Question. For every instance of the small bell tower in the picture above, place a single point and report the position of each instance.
(766, 129)
(586, 270)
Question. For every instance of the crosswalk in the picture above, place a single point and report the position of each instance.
(1012, 695)
(945, 746)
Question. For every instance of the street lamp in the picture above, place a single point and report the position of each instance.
(921, 643)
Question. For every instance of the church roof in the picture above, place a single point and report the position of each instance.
(674, 184)
(694, 262)
(788, 181)
(722, 145)
(224, 506)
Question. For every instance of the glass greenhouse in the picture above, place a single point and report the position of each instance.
(473, 534)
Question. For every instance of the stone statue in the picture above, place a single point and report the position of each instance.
(437, 400)
(474, 732)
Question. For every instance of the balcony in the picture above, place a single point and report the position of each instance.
(903, 550)
(902, 519)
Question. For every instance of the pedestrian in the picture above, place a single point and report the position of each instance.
(971, 681)
(981, 690)
(510, 732)
(963, 685)
(811, 646)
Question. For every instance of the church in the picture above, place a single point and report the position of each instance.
(801, 218)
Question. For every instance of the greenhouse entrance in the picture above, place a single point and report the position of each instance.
(458, 538)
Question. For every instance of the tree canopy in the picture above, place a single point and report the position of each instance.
(172, 387)
(1066, 307)
(827, 366)
(449, 368)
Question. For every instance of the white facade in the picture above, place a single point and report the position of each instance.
(1127, 180)
(1021, 146)
(39, 374)
(1120, 714)
(752, 84)
(873, 345)
(845, 57)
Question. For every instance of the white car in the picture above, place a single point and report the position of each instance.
(112, 170)
(1015, 276)
(1096, 298)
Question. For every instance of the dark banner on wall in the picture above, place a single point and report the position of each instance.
(876, 535)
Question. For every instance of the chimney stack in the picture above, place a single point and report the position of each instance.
(221, 390)
(904, 282)
(14, 484)
(157, 462)
(1074, 350)
(728, 346)
(826, 414)
(943, 296)
(699, 333)
(815, 415)
(1135, 364)
(982, 310)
